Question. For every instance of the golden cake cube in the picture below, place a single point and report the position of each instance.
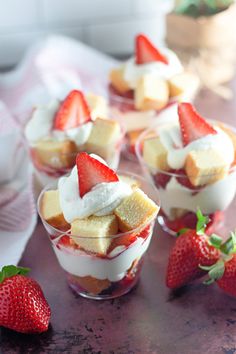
(103, 137)
(51, 210)
(205, 167)
(151, 93)
(118, 81)
(155, 154)
(93, 285)
(93, 232)
(56, 154)
(97, 105)
(182, 82)
(135, 210)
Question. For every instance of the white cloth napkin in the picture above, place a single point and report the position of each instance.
(49, 69)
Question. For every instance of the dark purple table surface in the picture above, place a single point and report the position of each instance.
(150, 319)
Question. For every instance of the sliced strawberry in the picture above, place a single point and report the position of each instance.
(146, 52)
(64, 241)
(184, 180)
(192, 125)
(161, 179)
(73, 112)
(145, 232)
(92, 172)
(124, 240)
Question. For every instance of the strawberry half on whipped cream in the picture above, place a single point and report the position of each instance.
(58, 131)
(145, 84)
(100, 224)
(192, 162)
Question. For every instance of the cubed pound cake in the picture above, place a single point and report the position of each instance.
(151, 93)
(51, 210)
(105, 134)
(205, 167)
(118, 81)
(135, 210)
(155, 154)
(93, 232)
(97, 105)
(56, 154)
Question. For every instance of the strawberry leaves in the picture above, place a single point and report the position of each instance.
(202, 222)
(11, 270)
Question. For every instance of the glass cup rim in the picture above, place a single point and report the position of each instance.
(138, 229)
(169, 173)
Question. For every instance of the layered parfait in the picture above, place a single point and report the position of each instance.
(100, 225)
(57, 132)
(192, 162)
(145, 84)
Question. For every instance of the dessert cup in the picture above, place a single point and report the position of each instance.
(180, 199)
(107, 276)
(56, 132)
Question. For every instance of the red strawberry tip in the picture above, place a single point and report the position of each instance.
(11, 270)
(92, 172)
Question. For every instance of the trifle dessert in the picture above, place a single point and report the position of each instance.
(192, 162)
(145, 84)
(100, 225)
(57, 132)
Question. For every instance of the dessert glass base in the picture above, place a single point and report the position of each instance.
(114, 290)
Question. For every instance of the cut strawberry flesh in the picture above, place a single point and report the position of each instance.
(92, 172)
(146, 52)
(192, 125)
(73, 112)
(161, 179)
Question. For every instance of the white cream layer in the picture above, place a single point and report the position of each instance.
(81, 264)
(170, 137)
(101, 200)
(133, 72)
(216, 196)
(40, 127)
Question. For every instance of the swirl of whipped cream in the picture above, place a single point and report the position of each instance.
(40, 127)
(176, 154)
(133, 71)
(101, 200)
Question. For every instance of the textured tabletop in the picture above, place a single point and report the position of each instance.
(150, 319)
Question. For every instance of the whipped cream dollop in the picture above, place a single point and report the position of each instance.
(101, 200)
(133, 72)
(177, 153)
(40, 127)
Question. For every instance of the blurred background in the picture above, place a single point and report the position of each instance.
(107, 25)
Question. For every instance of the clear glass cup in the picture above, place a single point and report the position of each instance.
(107, 276)
(181, 201)
(135, 121)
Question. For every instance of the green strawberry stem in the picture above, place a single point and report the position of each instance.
(202, 222)
(11, 270)
(229, 246)
(216, 241)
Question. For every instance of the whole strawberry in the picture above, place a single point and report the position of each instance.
(192, 248)
(23, 307)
